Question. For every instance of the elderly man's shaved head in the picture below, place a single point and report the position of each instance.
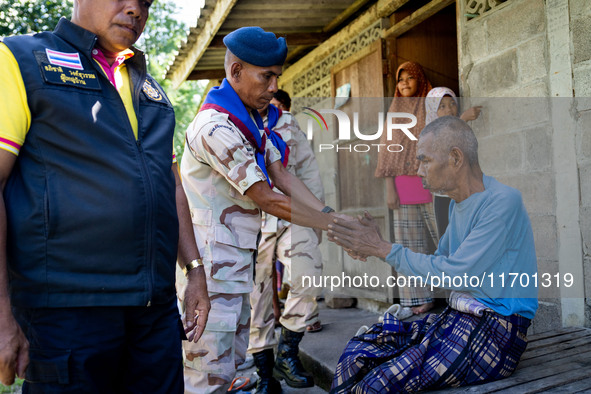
(450, 132)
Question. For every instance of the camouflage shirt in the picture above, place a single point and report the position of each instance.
(217, 169)
(301, 163)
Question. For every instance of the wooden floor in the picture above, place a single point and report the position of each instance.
(556, 361)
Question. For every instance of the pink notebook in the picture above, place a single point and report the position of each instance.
(410, 190)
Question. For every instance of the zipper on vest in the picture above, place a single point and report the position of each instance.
(150, 224)
(137, 87)
(137, 77)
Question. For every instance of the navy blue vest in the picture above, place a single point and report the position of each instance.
(91, 211)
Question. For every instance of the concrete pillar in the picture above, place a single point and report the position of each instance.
(570, 255)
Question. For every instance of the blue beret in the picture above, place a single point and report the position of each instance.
(256, 46)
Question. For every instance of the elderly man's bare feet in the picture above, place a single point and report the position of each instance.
(417, 310)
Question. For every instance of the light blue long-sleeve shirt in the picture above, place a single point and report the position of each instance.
(489, 237)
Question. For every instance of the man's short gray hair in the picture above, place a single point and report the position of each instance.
(451, 132)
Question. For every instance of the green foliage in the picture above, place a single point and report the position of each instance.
(15, 388)
(160, 40)
(185, 100)
(29, 16)
(161, 37)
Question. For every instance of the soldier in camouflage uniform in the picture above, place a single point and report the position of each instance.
(296, 247)
(224, 175)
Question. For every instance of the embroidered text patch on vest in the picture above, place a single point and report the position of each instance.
(58, 75)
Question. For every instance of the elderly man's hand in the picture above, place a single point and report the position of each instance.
(196, 304)
(350, 252)
(356, 256)
(360, 238)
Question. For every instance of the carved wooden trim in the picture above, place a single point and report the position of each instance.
(476, 8)
(316, 81)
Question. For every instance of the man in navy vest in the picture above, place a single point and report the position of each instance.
(92, 213)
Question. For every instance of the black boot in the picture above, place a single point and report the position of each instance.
(264, 362)
(288, 365)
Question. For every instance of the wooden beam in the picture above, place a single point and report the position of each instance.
(295, 39)
(306, 39)
(416, 17)
(211, 64)
(206, 74)
(277, 24)
(264, 5)
(278, 13)
(382, 9)
(357, 56)
(292, 54)
(210, 27)
(386, 7)
(343, 16)
(326, 48)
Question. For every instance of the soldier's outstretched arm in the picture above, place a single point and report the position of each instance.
(293, 187)
(298, 205)
(286, 208)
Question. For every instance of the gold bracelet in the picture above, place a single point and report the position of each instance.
(192, 264)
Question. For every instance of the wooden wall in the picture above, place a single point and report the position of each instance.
(432, 44)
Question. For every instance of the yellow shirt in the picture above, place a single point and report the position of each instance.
(117, 74)
(15, 115)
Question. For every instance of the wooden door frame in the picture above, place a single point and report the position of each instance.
(385, 294)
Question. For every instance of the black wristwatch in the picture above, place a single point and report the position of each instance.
(327, 209)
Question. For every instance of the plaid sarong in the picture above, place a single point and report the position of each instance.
(447, 350)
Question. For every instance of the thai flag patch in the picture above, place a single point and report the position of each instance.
(71, 60)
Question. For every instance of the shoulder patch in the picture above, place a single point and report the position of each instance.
(218, 126)
(152, 92)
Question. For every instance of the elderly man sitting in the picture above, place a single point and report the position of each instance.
(481, 335)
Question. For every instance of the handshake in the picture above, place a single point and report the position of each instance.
(360, 237)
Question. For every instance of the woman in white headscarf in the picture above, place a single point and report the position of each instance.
(442, 101)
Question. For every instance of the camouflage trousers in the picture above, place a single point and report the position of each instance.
(297, 249)
(210, 364)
